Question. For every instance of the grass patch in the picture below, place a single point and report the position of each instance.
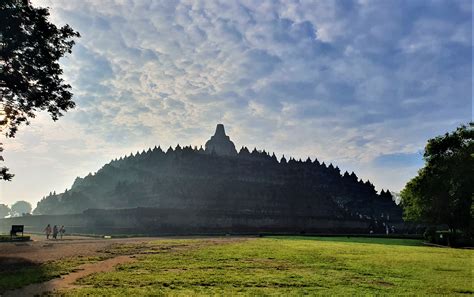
(8, 238)
(24, 273)
(287, 266)
(351, 239)
(147, 248)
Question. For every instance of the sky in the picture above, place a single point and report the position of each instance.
(362, 84)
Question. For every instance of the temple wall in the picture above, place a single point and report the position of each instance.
(165, 222)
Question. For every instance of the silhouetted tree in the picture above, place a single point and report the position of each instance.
(4, 174)
(20, 207)
(30, 75)
(4, 210)
(442, 192)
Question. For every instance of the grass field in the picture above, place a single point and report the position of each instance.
(27, 274)
(288, 265)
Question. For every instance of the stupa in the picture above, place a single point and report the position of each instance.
(220, 143)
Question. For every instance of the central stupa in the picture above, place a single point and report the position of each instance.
(220, 143)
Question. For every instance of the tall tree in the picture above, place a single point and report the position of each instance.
(442, 193)
(30, 75)
(20, 207)
(4, 210)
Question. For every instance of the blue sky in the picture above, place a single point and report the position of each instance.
(362, 84)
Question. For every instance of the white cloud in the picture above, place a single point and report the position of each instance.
(343, 81)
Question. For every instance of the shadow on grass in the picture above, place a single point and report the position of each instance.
(352, 239)
(17, 272)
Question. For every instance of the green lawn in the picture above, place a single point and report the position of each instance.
(7, 238)
(289, 266)
(24, 274)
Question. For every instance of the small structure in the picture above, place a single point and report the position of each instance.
(16, 229)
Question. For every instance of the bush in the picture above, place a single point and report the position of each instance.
(430, 234)
(453, 239)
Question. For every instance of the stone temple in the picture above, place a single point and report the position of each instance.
(186, 190)
(221, 143)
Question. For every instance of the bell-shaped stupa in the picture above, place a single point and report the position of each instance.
(220, 143)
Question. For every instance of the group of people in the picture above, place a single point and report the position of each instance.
(55, 231)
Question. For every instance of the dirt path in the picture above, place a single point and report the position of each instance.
(41, 251)
(67, 281)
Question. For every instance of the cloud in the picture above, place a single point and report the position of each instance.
(360, 83)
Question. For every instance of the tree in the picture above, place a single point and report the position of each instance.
(4, 210)
(442, 192)
(4, 174)
(20, 207)
(30, 75)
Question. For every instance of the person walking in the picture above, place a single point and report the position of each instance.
(55, 232)
(61, 232)
(47, 230)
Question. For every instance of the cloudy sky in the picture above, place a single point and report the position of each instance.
(362, 84)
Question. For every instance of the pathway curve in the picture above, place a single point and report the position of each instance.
(67, 281)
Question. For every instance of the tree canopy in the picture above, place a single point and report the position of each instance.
(20, 207)
(442, 192)
(4, 210)
(30, 74)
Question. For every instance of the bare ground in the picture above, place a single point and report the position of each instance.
(40, 250)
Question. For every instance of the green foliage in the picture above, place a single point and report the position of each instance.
(20, 207)
(288, 266)
(4, 210)
(442, 191)
(4, 174)
(30, 75)
(430, 234)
